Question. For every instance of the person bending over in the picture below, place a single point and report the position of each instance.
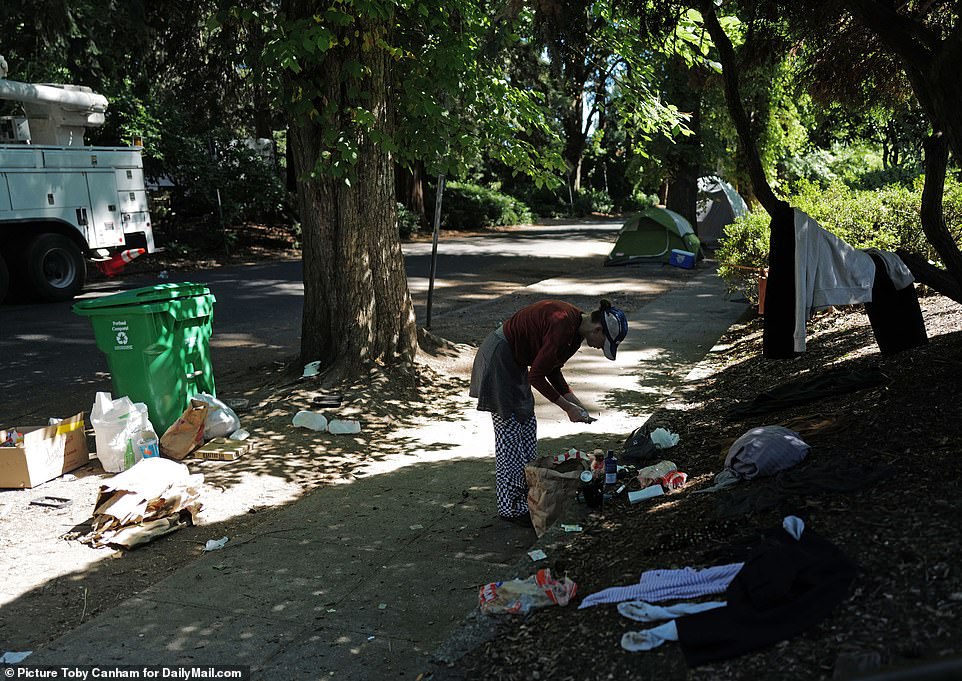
(530, 349)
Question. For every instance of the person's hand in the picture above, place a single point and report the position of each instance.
(577, 414)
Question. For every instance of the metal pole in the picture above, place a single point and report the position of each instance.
(434, 248)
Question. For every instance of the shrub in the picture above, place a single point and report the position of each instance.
(544, 202)
(886, 218)
(743, 252)
(639, 201)
(407, 222)
(471, 206)
(588, 201)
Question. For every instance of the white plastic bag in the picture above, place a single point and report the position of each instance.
(221, 419)
(117, 425)
(664, 439)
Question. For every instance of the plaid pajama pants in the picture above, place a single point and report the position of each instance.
(515, 444)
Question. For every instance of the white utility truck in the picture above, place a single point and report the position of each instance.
(61, 202)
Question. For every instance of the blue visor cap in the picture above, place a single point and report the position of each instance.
(615, 327)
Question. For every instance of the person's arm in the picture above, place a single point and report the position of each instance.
(540, 380)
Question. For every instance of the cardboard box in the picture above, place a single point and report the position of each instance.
(222, 449)
(684, 259)
(47, 452)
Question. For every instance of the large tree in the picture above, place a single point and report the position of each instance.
(366, 84)
(926, 38)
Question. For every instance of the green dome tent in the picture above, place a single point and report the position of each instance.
(651, 235)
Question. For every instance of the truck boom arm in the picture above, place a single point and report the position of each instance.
(58, 114)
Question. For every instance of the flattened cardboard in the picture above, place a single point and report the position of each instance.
(223, 449)
(47, 452)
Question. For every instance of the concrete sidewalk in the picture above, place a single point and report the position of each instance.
(365, 580)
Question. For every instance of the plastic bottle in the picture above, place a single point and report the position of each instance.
(649, 475)
(611, 468)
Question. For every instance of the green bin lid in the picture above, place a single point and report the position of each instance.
(142, 296)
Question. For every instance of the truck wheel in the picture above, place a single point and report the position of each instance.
(4, 278)
(55, 267)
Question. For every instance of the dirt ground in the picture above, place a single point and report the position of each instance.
(901, 526)
(53, 582)
(889, 463)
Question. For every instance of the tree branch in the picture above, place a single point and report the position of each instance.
(933, 217)
(910, 39)
(726, 53)
(930, 275)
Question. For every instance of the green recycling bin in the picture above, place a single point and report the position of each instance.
(157, 343)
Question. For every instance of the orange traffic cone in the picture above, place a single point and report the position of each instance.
(116, 264)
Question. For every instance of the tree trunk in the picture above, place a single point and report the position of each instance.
(685, 156)
(357, 307)
(932, 66)
(762, 190)
(573, 126)
(933, 224)
(409, 189)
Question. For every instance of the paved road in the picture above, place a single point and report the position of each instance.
(50, 366)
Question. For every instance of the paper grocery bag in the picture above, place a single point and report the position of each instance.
(187, 432)
(550, 487)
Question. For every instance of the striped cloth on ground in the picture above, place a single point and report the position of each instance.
(663, 585)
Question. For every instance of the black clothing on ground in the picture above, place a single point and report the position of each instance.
(785, 587)
(828, 384)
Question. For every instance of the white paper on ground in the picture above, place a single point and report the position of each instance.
(647, 493)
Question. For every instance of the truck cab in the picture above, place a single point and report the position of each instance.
(63, 203)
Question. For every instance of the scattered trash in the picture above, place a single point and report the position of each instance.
(186, 433)
(240, 435)
(12, 438)
(162, 275)
(344, 427)
(117, 425)
(14, 658)
(572, 528)
(417, 527)
(649, 492)
(221, 420)
(69, 477)
(570, 455)
(674, 480)
(521, 596)
(238, 404)
(382, 606)
(332, 609)
(222, 449)
(537, 554)
(215, 544)
(155, 497)
(332, 400)
(52, 502)
(651, 474)
(664, 439)
(311, 369)
(370, 638)
(42, 453)
(310, 419)
(551, 487)
(147, 444)
(5, 509)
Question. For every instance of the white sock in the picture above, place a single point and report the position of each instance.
(648, 639)
(646, 612)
